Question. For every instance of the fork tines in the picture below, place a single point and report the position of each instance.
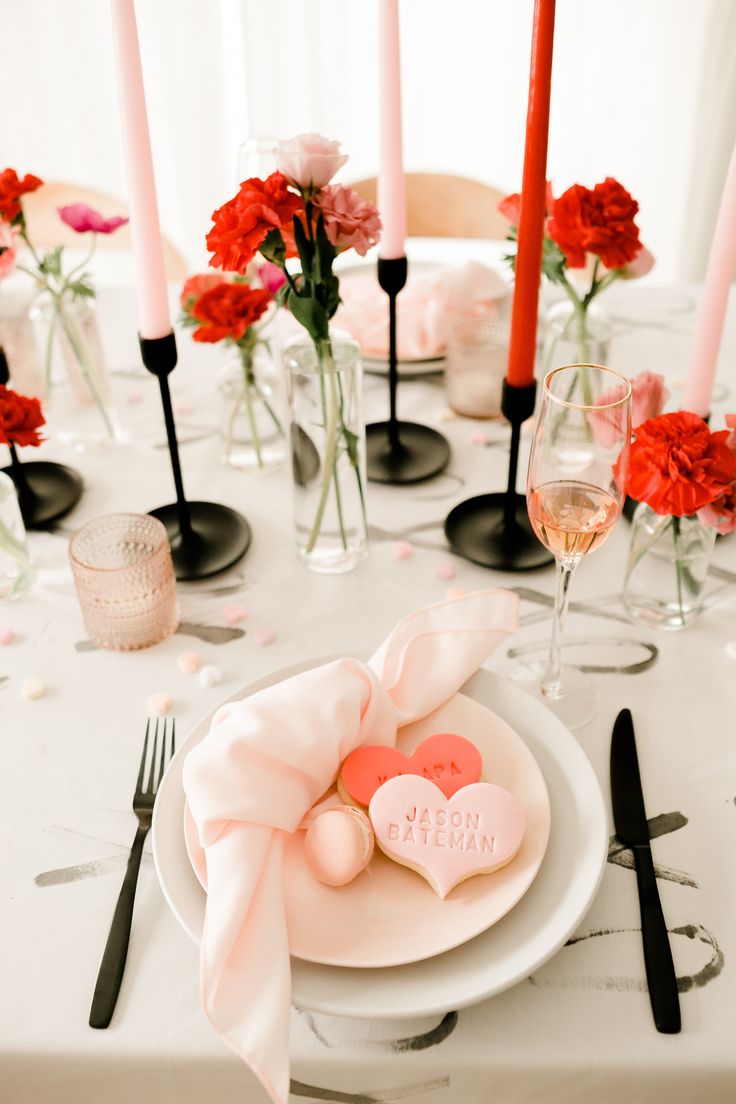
(166, 728)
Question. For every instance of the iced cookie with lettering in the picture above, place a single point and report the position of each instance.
(448, 760)
(446, 840)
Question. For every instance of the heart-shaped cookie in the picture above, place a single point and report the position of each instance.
(448, 760)
(476, 831)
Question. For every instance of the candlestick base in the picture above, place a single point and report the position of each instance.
(478, 530)
(418, 452)
(47, 491)
(218, 538)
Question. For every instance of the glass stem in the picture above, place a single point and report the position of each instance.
(331, 421)
(551, 680)
(76, 342)
(246, 358)
(678, 565)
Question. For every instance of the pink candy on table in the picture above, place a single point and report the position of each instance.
(7, 635)
(455, 592)
(190, 662)
(135, 397)
(402, 550)
(478, 437)
(445, 570)
(160, 704)
(263, 636)
(184, 407)
(234, 613)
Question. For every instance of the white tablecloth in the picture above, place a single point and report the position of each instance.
(580, 1030)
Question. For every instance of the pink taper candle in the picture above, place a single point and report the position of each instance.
(153, 302)
(709, 328)
(391, 182)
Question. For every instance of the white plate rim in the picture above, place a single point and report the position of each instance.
(404, 991)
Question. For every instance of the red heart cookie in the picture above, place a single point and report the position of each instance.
(449, 761)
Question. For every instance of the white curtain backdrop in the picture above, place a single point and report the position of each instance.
(644, 90)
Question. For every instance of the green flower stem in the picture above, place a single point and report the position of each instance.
(678, 565)
(246, 360)
(15, 549)
(331, 416)
(77, 344)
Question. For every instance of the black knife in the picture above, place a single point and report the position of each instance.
(630, 819)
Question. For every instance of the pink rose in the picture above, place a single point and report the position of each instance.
(309, 161)
(350, 221)
(83, 218)
(271, 276)
(648, 396)
(642, 263)
(8, 234)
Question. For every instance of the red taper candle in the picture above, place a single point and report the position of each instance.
(523, 343)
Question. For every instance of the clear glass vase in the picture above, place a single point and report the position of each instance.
(251, 425)
(575, 336)
(667, 568)
(19, 343)
(327, 436)
(16, 566)
(76, 388)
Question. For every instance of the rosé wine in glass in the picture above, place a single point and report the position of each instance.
(571, 519)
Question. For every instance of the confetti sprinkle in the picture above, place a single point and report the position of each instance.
(448, 415)
(211, 675)
(135, 397)
(402, 550)
(7, 636)
(479, 438)
(33, 689)
(234, 613)
(160, 704)
(189, 662)
(184, 407)
(445, 571)
(263, 637)
(455, 592)
(731, 649)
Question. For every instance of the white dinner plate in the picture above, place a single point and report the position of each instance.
(496, 959)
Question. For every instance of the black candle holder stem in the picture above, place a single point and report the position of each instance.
(400, 452)
(205, 537)
(494, 530)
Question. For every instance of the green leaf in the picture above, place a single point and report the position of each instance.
(553, 261)
(304, 248)
(310, 313)
(81, 288)
(305, 460)
(273, 248)
(51, 262)
(351, 446)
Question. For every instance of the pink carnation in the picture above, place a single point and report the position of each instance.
(271, 276)
(309, 161)
(721, 514)
(83, 218)
(350, 221)
(648, 396)
(8, 234)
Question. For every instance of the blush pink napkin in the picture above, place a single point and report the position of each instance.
(265, 762)
(428, 307)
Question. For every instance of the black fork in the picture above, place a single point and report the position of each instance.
(116, 948)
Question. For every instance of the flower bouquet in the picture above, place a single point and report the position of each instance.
(591, 231)
(65, 303)
(684, 477)
(227, 311)
(297, 213)
(21, 418)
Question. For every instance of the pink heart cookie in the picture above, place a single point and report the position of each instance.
(448, 760)
(476, 831)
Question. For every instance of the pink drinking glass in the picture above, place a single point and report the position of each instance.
(125, 581)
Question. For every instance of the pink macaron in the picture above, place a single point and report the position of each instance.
(339, 844)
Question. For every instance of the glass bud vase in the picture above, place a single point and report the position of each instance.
(16, 566)
(76, 393)
(251, 424)
(574, 336)
(327, 437)
(667, 568)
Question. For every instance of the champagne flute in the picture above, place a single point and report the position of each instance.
(575, 492)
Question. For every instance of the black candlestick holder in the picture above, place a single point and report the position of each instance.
(205, 537)
(400, 452)
(494, 529)
(46, 490)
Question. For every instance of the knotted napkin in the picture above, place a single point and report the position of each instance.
(265, 762)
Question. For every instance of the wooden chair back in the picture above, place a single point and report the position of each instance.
(446, 206)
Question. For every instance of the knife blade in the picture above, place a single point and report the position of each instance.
(630, 820)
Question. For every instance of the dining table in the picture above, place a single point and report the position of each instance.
(580, 1028)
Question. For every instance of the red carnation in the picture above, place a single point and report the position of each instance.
(228, 310)
(195, 286)
(11, 189)
(677, 465)
(241, 225)
(599, 221)
(20, 418)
